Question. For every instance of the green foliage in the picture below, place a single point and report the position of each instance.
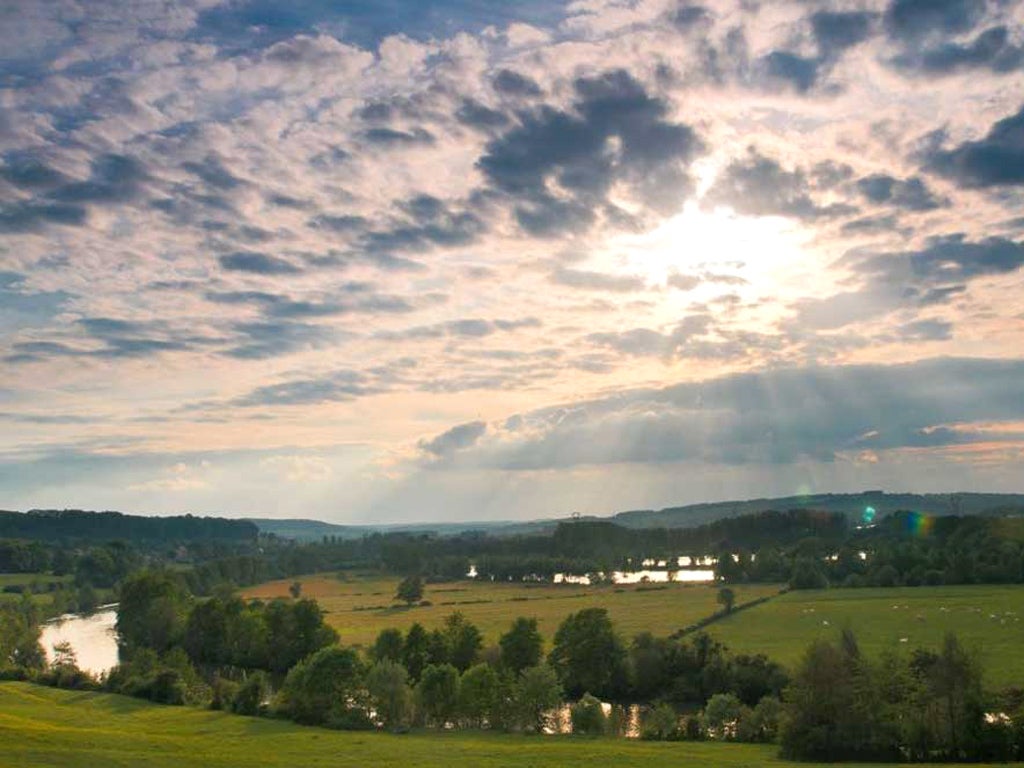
(249, 698)
(726, 598)
(587, 716)
(537, 692)
(661, 723)
(808, 574)
(760, 724)
(463, 641)
(388, 646)
(410, 590)
(388, 686)
(522, 646)
(19, 636)
(415, 651)
(588, 655)
(437, 693)
(721, 715)
(324, 689)
(479, 696)
(152, 612)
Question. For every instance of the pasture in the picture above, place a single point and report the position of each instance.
(49, 727)
(987, 618)
(360, 608)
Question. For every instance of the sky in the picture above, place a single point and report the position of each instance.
(416, 260)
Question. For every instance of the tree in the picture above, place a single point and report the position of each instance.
(588, 655)
(722, 714)
(19, 635)
(661, 723)
(410, 590)
(463, 641)
(324, 689)
(479, 691)
(416, 650)
(587, 716)
(726, 598)
(387, 646)
(438, 692)
(250, 694)
(152, 612)
(388, 686)
(537, 692)
(522, 646)
(295, 589)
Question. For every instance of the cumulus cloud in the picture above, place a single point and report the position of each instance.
(773, 417)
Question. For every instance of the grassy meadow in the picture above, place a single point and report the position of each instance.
(986, 618)
(26, 581)
(49, 727)
(360, 609)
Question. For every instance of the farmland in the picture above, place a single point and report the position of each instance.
(48, 727)
(986, 618)
(359, 609)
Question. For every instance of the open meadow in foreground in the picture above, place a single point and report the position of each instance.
(360, 609)
(49, 727)
(986, 618)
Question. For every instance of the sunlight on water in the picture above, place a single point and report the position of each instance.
(92, 637)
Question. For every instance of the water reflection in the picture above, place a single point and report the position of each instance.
(92, 637)
(690, 575)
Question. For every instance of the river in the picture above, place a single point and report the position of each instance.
(92, 637)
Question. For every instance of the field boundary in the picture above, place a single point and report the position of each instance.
(689, 629)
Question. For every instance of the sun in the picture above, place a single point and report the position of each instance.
(700, 246)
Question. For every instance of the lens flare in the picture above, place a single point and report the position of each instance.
(920, 524)
(868, 517)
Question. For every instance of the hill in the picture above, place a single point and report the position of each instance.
(75, 525)
(50, 727)
(689, 516)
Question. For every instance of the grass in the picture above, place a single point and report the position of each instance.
(360, 608)
(26, 580)
(782, 628)
(48, 727)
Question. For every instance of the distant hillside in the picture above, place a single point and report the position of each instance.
(74, 525)
(315, 530)
(689, 516)
(851, 504)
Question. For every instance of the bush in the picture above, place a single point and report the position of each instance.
(248, 699)
(661, 723)
(587, 716)
(223, 693)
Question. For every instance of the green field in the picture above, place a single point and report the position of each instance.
(48, 727)
(986, 618)
(360, 609)
(26, 581)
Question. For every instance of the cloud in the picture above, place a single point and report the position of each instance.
(455, 439)
(511, 83)
(559, 166)
(597, 281)
(991, 49)
(770, 417)
(257, 263)
(837, 31)
(909, 194)
(757, 185)
(913, 19)
(994, 161)
(299, 468)
(931, 275)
